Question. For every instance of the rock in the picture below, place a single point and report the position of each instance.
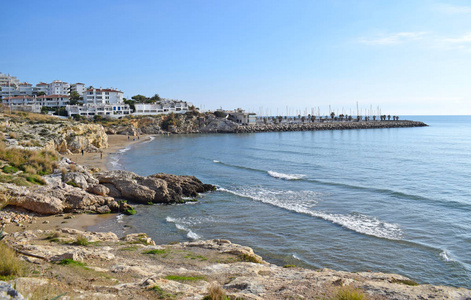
(8, 292)
(103, 209)
(157, 188)
(98, 189)
(141, 238)
(76, 178)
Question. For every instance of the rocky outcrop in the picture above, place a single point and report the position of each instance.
(133, 267)
(65, 136)
(82, 191)
(157, 188)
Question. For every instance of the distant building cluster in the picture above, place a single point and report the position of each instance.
(107, 102)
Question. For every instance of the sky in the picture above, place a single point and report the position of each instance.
(271, 57)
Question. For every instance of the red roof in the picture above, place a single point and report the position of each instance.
(53, 96)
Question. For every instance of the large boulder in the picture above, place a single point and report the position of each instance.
(37, 200)
(157, 188)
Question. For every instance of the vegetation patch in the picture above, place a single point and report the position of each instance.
(161, 294)
(81, 241)
(129, 211)
(10, 264)
(9, 169)
(249, 258)
(132, 248)
(72, 183)
(155, 251)
(184, 278)
(216, 292)
(70, 261)
(194, 256)
(350, 293)
(289, 266)
(405, 281)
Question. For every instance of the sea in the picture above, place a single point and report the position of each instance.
(394, 200)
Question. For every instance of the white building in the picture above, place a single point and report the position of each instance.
(105, 110)
(41, 87)
(162, 108)
(46, 100)
(241, 117)
(25, 89)
(102, 96)
(78, 87)
(53, 100)
(58, 87)
(5, 79)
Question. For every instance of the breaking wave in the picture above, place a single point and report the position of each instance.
(445, 256)
(185, 223)
(303, 201)
(285, 176)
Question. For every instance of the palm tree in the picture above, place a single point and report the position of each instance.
(389, 117)
(332, 115)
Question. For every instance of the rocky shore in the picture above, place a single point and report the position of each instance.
(74, 188)
(90, 265)
(75, 264)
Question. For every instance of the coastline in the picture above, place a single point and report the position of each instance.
(79, 221)
(116, 142)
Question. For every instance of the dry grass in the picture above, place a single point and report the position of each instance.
(215, 292)
(29, 161)
(5, 197)
(350, 293)
(10, 264)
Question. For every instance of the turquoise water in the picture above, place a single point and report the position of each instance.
(392, 200)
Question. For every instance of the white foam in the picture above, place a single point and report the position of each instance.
(285, 176)
(445, 256)
(216, 161)
(303, 201)
(192, 235)
(151, 138)
(296, 256)
(183, 224)
(119, 218)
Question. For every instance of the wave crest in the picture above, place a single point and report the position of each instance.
(303, 201)
(285, 176)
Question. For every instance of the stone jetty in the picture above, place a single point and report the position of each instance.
(230, 127)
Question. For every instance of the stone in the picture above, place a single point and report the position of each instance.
(8, 292)
(104, 209)
(98, 189)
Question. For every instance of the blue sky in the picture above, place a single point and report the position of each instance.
(405, 57)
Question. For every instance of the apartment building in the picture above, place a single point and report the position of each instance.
(102, 96)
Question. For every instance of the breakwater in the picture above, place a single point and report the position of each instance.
(325, 126)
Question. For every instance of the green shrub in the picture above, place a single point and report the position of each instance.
(155, 251)
(81, 241)
(72, 183)
(184, 278)
(9, 169)
(70, 261)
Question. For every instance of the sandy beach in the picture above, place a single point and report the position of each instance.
(80, 221)
(98, 160)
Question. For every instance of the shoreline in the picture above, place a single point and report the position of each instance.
(71, 220)
(116, 142)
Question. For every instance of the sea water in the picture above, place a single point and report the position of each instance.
(394, 200)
